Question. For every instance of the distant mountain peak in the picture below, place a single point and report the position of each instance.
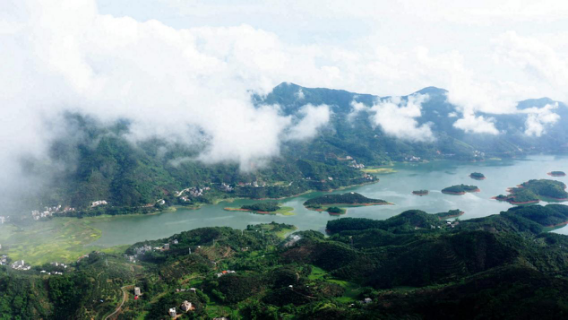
(432, 91)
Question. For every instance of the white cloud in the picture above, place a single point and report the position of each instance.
(313, 117)
(539, 118)
(64, 54)
(538, 59)
(476, 124)
(396, 117)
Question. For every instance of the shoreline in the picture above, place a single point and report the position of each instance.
(461, 213)
(515, 202)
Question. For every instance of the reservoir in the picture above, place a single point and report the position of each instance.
(395, 188)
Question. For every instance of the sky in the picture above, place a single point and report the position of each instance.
(397, 47)
(178, 67)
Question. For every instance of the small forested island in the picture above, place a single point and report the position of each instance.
(269, 207)
(535, 190)
(420, 192)
(477, 176)
(557, 174)
(352, 199)
(335, 211)
(460, 189)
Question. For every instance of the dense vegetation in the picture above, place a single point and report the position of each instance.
(534, 190)
(262, 206)
(477, 175)
(460, 189)
(90, 160)
(351, 199)
(410, 266)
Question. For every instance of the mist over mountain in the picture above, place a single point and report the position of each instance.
(89, 159)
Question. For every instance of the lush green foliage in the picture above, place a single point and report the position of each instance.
(498, 265)
(262, 206)
(477, 175)
(461, 188)
(351, 198)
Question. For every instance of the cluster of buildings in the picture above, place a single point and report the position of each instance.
(479, 154)
(193, 191)
(292, 240)
(186, 306)
(49, 211)
(452, 224)
(225, 187)
(368, 177)
(225, 272)
(3, 260)
(20, 265)
(59, 273)
(4, 219)
(145, 248)
(98, 203)
(412, 159)
(356, 165)
(254, 184)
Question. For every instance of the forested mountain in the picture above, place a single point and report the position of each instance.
(411, 266)
(93, 160)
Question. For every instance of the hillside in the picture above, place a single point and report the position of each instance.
(90, 160)
(398, 268)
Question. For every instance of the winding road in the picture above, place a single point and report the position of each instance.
(124, 298)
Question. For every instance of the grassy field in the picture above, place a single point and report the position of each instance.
(61, 239)
(282, 233)
(378, 170)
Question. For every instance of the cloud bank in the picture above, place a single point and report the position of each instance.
(397, 117)
(538, 119)
(313, 117)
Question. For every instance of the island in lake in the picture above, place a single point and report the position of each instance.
(535, 190)
(264, 208)
(557, 174)
(460, 189)
(333, 201)
(420, 192)
(477, 176)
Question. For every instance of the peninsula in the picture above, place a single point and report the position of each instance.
(535, 190)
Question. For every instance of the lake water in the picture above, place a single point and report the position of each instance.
(395, 188)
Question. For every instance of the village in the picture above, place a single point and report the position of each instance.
(49, 211)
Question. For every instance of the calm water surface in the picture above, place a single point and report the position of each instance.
(395, 188)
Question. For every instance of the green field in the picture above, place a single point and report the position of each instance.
(61, 239)
(378, 170)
